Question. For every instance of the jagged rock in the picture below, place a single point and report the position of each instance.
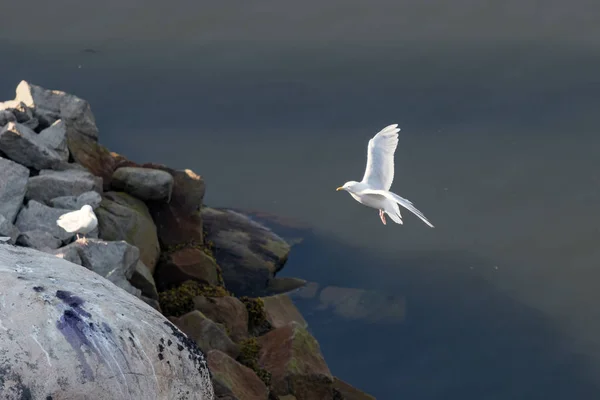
(144, 183)
(6, 116)
(231, 378)
(123, 217)
(185, 264)
(55, 138)
(71, 334)
(50, 105)
(142, 279)
(225, 310)
(21, 112)
(22, 145)
(7, 229)
(294, 359)
(13, 181)
(76, 202)
(114, 261)
(248, 253)
(280, 311)
(39, 240)
(349, 392)
(50, 184)
(207, 334)
(284, 285)
(37, 216)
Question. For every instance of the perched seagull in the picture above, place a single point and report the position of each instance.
(81, 221)
(373, 190)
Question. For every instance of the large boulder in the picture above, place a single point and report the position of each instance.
(186, 264)
(50, 184)
(37, 216)
(248, 253)
(7, 229)
(144, 183)
(233, 380)
(91, 198)
(55, 138)
(71, 334)
(123, 217)
(142, 279)
(294, 359)
(206, 333)
(13, 181)
(226, 310)
(23, 145)
(40, 240)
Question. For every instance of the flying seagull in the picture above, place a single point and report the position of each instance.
(81, 221)
(373, 190)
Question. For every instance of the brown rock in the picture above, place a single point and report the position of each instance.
(294, 359)
(207, 334)
(226, 310)
(284, 285)
(280, 311)
(350, 392)
(185, 264)
(232, 378)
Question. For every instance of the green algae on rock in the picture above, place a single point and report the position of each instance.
(180, 300)
(257, 318)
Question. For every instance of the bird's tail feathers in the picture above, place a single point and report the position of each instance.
(410, 207)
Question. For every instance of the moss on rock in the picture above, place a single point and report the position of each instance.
(257, 318)
(180, 300)
(249, 349)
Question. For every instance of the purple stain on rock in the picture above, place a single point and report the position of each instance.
(74, 329)
(73, 301)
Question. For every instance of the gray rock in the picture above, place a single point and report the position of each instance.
(22, 145)
(50, 105)
(248, 253)
(39, 240)
(142, 279)
(76, 202)
(7, 229)
(13, 181)
(55, 138)
(101, 343)
(144, 183)
(6, 116)
(50, 184)
(114, 261)
(37, 216)
(69, 253)
(207, 334)
(21, 112)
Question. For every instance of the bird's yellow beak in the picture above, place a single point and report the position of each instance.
(338, 189)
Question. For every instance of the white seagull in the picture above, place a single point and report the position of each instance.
(373, 190)
(79, 221)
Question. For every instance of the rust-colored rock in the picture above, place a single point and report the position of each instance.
(185, 264)
(226, 310)
(349, 392)
(280, 311)
(207, 334)
(232, 379)
(294, 359)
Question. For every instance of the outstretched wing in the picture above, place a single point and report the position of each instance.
(379, 173)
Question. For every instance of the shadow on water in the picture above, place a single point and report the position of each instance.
(461, 338)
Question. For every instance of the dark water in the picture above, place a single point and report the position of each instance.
(273, 103)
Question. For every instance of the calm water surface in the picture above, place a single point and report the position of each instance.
(273, 103)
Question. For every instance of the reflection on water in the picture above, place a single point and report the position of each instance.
(273, 103)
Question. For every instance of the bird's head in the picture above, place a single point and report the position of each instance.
(348, 186)
(87, 207)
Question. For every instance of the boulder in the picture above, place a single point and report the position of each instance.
(55, 138)
(115, 261)
(6, 116)
(248, 253)
(233, 379)
(22, 114)
(280, 311)
(39, 240)
(50, 184)
(142, 279)
(349, 392)
(96, 158)
(226, 310)
(123, 217)
(294, 359)
(23, 145)
(284, 285)
(37, 216)
(207, 334)
(144, 183)
(7, 229)
(186, 264)
(50, 105)
(101, 343)
(13, 181)
(69, 253)
(76, 202)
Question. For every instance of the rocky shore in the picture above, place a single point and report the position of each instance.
(194, 278)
